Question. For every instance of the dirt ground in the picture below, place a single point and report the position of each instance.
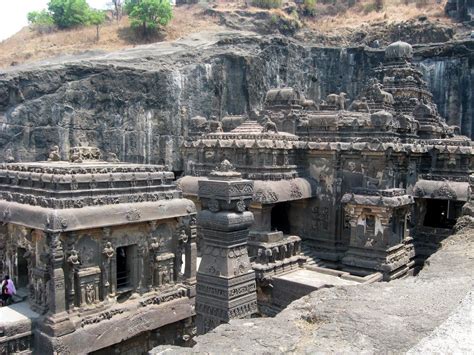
(332, 25)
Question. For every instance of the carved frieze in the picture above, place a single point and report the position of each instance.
(167, 297)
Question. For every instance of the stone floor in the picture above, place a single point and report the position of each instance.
(454, 336)
(315, 279)
(16, 312)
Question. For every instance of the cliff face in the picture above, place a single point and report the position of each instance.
(137, 103)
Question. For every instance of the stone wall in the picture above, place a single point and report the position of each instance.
(138, 102)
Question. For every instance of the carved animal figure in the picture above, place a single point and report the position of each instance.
(337, 100)
(214, 126)
(309, 104)
(198, 124)
(112, 158)
(386, 96)
(269, 126)
(359, 105)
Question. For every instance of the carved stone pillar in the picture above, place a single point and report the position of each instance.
(57, 322)
(225, 281)
(141, 268)
(57, 291)
(191, 253)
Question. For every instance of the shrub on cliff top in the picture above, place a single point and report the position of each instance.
(267, 4)
(309, 7)
(41, 21)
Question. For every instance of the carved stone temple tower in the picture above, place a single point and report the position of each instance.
(225, 280)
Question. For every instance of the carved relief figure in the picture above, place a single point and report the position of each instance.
(54, 154)
(109, 253)
(183, 239)
(155, 245)
(90, 293)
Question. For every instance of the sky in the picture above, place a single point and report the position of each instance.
(13, 13)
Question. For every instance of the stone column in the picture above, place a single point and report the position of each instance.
(191, 254)
(225, 280)
(57, 322)
(57, 290)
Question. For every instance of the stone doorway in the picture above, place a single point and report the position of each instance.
(442, 213)
(21, 269)
(280, 217)
(124, 257)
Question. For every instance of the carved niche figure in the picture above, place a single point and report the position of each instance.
(155, 246)
(90, 293)
(73, 258)
(182, 240)
(74, 261)
(109, 253)
(54, 154)
(41, 293)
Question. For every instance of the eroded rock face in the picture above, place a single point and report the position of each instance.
(139, 103)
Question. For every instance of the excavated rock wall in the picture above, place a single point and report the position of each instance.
(137, 103)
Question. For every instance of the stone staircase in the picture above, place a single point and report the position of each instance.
(311, 258)
(21, 295)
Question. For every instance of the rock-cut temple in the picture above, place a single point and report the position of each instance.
(111, 256)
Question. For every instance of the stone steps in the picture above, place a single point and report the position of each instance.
(21, 295)
(311, 258)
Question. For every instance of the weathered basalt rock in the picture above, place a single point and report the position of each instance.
(138, 103)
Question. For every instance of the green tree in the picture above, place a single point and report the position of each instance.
(69, 13)
(148, 15)
(42, 17)
(41, 21)
(96, 18)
